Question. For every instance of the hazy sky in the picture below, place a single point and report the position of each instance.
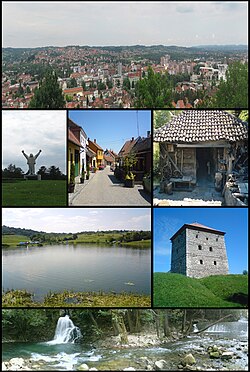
(182, 23)
(112, 128)
(77, 219)
(232, 221)
(31, 131)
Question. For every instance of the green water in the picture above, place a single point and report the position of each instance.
(42, 356)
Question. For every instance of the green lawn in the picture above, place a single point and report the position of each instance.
(34, 193)
(175, 290)
(13, 240)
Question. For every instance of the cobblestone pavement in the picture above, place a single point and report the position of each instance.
(103, 189)
(199, 196)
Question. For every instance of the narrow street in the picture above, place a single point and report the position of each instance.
(103, 189)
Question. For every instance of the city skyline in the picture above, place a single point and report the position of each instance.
(124, 23)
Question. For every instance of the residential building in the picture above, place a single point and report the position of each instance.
(93, 145)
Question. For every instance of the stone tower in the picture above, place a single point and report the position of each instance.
(198, 251)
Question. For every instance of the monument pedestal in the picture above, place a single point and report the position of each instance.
(34, 177)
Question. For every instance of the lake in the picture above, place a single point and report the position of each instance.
(79, 267)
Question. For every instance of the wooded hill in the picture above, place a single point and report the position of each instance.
(110, 236)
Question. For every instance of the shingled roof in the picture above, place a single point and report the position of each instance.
(193, 126)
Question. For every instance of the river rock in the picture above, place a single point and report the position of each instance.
(160, 365)
(214, 354)
(4, 366)
(17, 361)
(227, 355)
(83, 367)
(188, 359)
(93, 369)
(129, 369)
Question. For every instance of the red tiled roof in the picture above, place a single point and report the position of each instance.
(72, 90)
(72, 138)
(127, 147)
(95, 144)
(197, 226)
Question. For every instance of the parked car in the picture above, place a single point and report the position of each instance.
(101, 167)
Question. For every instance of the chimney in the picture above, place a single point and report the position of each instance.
(132, 139)
(148, 133)
(94, 140)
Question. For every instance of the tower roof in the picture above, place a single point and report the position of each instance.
(197, 226)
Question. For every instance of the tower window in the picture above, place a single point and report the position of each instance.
(206, 238)
(197, 235)
(217, 239)
(201, 262)
(199, 247)
(215, 263)
(211, 249)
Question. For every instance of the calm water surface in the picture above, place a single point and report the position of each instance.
(77, 267)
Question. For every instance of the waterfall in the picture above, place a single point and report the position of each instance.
(217, 328)
(66, 332)
(195, 328)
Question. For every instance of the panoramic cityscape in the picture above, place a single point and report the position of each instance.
(125, 185)
(150, 66)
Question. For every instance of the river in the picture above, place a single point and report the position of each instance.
(79, 267)
(232, 336)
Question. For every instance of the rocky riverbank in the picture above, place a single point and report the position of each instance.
(145, 352)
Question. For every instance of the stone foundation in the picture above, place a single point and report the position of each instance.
(34, 177)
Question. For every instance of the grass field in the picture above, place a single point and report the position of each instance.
(13, 240)
(95, 238)
(175, 290)
(34, 193)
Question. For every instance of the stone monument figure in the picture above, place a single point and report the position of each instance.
(31, 161)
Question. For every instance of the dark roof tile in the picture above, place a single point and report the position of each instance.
(193, 126)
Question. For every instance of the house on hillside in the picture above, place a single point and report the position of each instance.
(205, 147)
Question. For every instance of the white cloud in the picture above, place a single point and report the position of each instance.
(77, 219)
(122, 23)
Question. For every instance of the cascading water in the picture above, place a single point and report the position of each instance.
(66, 332)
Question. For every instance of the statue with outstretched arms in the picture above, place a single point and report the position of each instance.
(31, 161)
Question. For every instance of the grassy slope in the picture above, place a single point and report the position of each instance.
(13, 239)
(34, 193)
(175, 290)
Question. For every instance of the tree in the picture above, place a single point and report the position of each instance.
(126, 84)
(154, 91)
(12, 172)
(72, 83)
(234, 91)
(49, 94)
(55, 173)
